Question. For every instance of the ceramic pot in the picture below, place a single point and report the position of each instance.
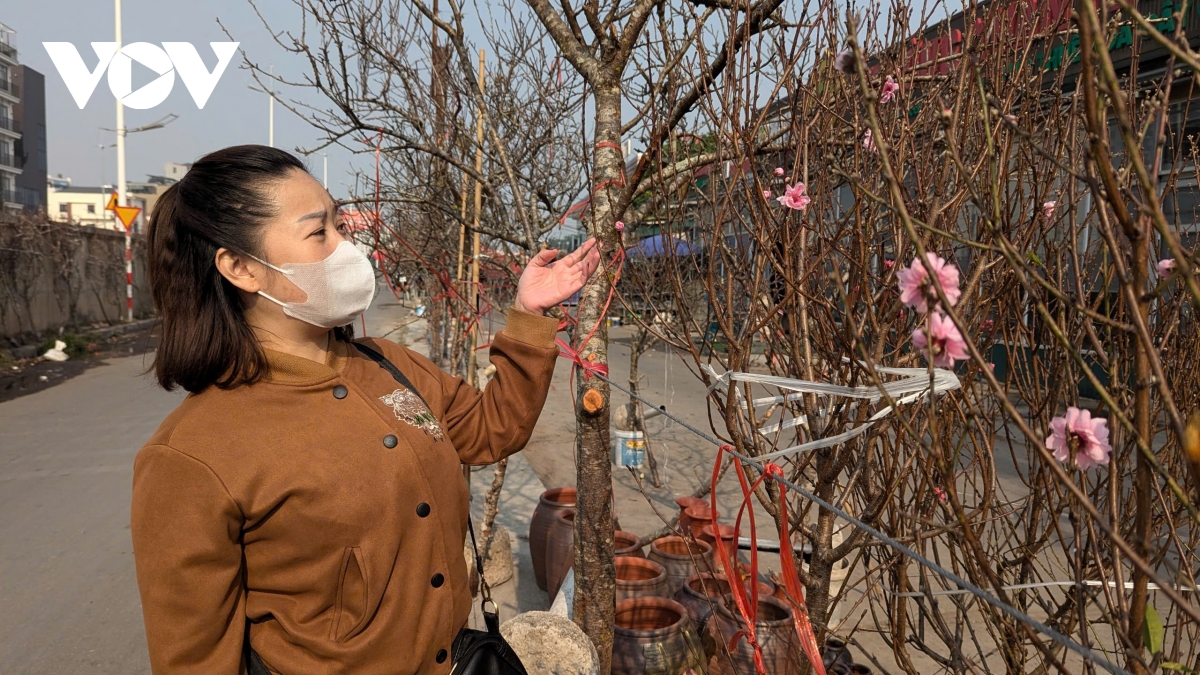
(550, 503)
(774, 631)
(638, 577)
(698, 517)
(654, 635)
(835, 651)
(625, 544)
(560, 550)
(726, 533)
(681, 558)
(684, 503)
(704, 590)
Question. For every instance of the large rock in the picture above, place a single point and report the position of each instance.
(549, 644)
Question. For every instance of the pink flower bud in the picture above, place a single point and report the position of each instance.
(619, 225)
(779, 171)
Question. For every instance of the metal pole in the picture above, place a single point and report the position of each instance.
(122, 197)
(270, 112)
(325, 170)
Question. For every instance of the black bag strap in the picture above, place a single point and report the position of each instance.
(491, 618)
(391, 368)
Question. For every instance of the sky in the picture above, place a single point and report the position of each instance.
(233, 115)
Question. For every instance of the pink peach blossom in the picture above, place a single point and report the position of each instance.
(889, 90)
(1048, 209)
(779, 171)
(1079, 438)
(868, 142)
(916, 288)
(794, 197)
(766, 194)
(619, 225)
(1165, 267)
(940, 494)
(889, 263)
(844, 61)
(947, 345)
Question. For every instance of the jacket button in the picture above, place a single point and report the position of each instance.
(389, 441)
(437, 580)
(441, 656)
(340, 391)
(422, 509)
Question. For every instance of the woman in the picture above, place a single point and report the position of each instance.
(300, 498)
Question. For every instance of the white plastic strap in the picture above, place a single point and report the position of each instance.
(914, 386)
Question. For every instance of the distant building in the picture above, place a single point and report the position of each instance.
(154, 185)
(85, 206)
(30, 149)
(22, 130)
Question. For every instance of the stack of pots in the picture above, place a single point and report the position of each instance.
(551, 503)
(703, 591)
(560, 550)
(774, 630)
(681, 558)
(638, 577)
(655, 635)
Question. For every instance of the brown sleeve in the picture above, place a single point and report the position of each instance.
(485, 427)
(187, 548)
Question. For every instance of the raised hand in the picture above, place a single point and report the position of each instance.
(545, 282)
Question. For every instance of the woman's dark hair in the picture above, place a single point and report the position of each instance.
(223, 201)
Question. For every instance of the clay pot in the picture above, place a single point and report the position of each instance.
(654, 635)
(835, 651)
(727, 534)
(625, 544)
(560, 550)
(550, 503)
(638, 578)
(774, 630)
(681, 558)
(704, 590)
(698, 517)
(684, 503)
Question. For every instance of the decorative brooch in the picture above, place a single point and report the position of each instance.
(410, 408)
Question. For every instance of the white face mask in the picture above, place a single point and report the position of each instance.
(339, 288)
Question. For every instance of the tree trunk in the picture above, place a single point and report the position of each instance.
(595, 575)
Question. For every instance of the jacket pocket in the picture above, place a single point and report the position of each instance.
(350, 609)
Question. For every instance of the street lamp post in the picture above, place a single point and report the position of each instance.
(121, 185)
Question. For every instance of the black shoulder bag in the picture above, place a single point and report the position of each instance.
(474, 652)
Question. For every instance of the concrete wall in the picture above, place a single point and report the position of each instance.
(57, 274)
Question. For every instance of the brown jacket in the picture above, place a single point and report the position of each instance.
(306, 505)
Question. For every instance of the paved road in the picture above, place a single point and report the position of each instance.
(66, 568)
